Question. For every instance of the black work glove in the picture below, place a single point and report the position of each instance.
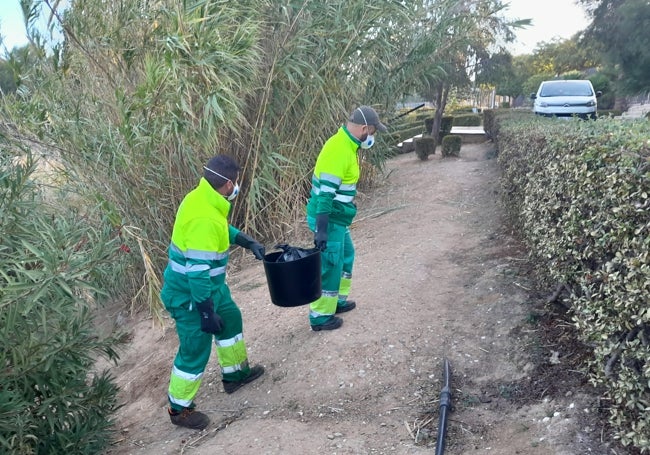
(211, 322)
(250, 243)
(320, 237)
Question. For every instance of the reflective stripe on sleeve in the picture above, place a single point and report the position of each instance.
(330, 178)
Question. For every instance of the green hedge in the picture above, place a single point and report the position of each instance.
(463, 111)
(579, 192)
(451, 145)
(467, 120)
(424, 146)
(609, 113)
(422, 114)
(446, 124)
(408, 133)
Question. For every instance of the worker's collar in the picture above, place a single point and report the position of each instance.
(214, 198)
(354, 139)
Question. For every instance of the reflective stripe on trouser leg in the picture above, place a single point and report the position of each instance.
(189, 364)
(231, 348)
(348, 263)
(344, 288)
(232, 358)
(324, 308)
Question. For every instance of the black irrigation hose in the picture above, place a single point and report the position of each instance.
(445, 404)
(406, 113)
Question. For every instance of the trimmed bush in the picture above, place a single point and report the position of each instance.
(488, 122)
(609, 113)
(424, 113)
(451, 145)
(408, 133)
(425, 146)
(428, 125)
(467, 120)
(446, 124)
(463, 111)
(579, 194)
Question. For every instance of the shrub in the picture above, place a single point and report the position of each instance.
(579, 193)
(451, 145)
(54, 262)
(425, 146)
(488, 122)
(463, 110)
(408, 133)
(428, 125)
(467, 120)
(424, 113)
(445, 126)
(609, 113)
(505, 105)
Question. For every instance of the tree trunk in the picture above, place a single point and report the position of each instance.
(442, 92)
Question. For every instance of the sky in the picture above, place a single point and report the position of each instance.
(551, 19)
(12, 25)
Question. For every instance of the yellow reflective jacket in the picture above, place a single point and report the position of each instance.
(334, 182)
(198, 252)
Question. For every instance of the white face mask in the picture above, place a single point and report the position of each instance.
(235, 189)
(235, 192)
(370, 139)
(369, 142)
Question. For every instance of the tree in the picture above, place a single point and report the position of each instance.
(560, 56)
(620, 30)
(452, 39)
(503, 72)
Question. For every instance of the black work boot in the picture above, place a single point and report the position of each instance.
(231, 386)
(333, 323)
(189, 418)
(346, 306)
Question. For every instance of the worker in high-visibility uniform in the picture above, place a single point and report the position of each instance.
(196, 294)
(331, 209)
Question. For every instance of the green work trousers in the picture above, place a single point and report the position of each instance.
(195, 345)
(336, 272)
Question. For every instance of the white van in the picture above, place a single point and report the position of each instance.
(565, 98)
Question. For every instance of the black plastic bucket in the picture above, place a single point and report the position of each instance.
(293, 283)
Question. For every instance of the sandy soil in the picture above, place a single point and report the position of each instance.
(437, 275)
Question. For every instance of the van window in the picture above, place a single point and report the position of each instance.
(568, 88)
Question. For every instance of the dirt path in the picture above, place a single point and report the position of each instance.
(437, 275)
